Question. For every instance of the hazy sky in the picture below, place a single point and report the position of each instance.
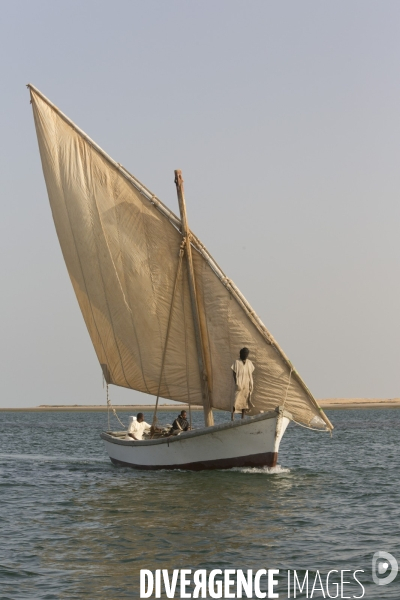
(283, 116)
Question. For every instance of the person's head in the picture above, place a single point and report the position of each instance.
(140, 417)
(183, 414)
(244, 353)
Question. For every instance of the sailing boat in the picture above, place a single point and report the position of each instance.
(162, 316)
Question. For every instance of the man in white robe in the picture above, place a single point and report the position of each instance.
(137, 426)
(243, 375)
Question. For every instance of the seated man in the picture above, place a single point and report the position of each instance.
(181, 423)
(137, 426)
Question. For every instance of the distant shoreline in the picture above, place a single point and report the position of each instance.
(133, 408)
(327, 403)
(360, 403)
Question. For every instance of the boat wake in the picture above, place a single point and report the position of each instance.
(278, 470)
(54, 459)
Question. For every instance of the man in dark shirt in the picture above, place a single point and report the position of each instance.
(181, 423)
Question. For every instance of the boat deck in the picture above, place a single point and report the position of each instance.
(118, 437)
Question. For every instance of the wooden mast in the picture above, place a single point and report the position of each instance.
(208, 415)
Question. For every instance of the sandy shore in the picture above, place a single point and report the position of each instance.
(326, 403)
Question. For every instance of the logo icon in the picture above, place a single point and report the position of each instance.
(381, 562)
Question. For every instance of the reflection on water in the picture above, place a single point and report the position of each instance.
(74, 526)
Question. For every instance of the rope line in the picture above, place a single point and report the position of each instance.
(311, 428)
(296, 422)
(110, 407)
(178, 270)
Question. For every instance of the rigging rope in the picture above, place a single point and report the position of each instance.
(110, 407)
(178, 270)
(296, 422)
(186, 353)
(312, 428)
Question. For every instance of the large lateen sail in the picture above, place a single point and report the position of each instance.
(121, 246)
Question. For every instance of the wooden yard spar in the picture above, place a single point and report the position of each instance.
(200, 336)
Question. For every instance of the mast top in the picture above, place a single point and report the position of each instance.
(200, 332)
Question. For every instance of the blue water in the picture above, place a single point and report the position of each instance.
(73, 526)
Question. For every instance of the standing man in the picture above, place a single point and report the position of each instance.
(243, 376)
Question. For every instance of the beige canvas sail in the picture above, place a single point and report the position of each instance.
(121, 247)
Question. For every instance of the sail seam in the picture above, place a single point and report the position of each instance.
(75, 246)
(130, 312)
(153, 288)
(84, 161)
(208, 350)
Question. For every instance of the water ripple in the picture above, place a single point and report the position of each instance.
(75, 527)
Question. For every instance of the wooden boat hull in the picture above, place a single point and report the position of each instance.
(252, 442)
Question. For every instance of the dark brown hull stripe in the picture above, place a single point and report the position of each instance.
(266, 459)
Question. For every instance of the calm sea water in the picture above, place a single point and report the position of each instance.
(73, 526)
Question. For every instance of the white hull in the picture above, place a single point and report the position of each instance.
(252, 442)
